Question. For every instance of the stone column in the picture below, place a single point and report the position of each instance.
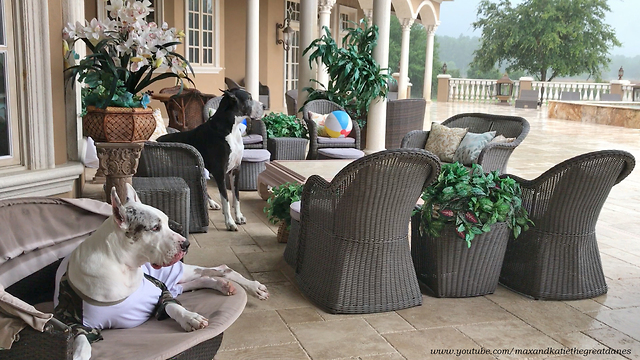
(252, 64)
(377, 116)
(324, 9)
(443, 87)
(526, 83)
(119, 162)
(308, 33)
(428, 64)
(403, 80)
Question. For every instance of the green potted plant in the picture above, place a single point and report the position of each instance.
(127, 54)
(355, 77)
(286, 136)
(459, 235)
(278, 204)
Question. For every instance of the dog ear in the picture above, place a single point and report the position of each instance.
(230, 95)
(119, 214)
(131, 194)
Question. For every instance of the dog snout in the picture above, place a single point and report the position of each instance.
(184, 246)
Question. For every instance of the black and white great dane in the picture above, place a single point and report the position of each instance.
(220, 143)
(111, 279)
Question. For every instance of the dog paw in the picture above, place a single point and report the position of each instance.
(194, 321)
(214, 205)
(240, 219)
(227, 288)
(81, 348)
(259, 290)
(231, 225)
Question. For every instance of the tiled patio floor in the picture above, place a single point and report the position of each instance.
(287, 326)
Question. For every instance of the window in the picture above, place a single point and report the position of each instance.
(291, 57)
(9, 124)
(346, 17)
(202, 33)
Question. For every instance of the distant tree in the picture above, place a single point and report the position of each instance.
(547, 39)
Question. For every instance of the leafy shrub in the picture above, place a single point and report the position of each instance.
(278, 204)
(283, 125)
(473, 201)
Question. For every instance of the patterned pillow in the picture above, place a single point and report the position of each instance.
(443, 141)
(471, 146)
(161, 128)
(319, 120)
(502, 139)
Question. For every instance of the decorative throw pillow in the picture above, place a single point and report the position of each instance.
(443, 141)
(502, 139)
(161, 128)
(319, 119)
(471, 146)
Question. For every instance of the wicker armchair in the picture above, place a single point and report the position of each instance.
(403, 116)
(291, 98)
(256, 137)
(319, 142)
(558, 258)
(495, 155)
(184, 109)
(352, 253)
(165, 159)
(37, 234)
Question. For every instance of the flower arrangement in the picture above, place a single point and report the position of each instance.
(127, 55)
(473, 201)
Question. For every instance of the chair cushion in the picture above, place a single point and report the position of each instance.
(252, 139)
(470, 147)
(255, 155)
(294, 210)
(341, 153)
(502, 139)
(443, 141)
(319, 120)
(328, 140)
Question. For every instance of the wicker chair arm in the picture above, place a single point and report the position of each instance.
(415, 139)
(356, 133)
(258, 127)
(312, 129)
(495, 156)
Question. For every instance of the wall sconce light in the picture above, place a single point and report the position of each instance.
(444, 68)
(286, 34)
(620, 73)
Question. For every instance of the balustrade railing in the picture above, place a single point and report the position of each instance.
(484, 90)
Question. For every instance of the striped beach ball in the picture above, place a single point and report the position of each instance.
(338, 124)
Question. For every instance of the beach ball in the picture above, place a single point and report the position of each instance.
(338, 124)
(243, 127)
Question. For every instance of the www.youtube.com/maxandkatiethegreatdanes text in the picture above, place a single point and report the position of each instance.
(516, 351)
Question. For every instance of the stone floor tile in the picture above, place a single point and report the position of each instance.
(515, 334)
(617, 269)
(623, 320)
(622, 294)
(588, 305)
(255, 329)
(439, 312)
(268, 277)
(281, 296)
(616, 340)
(551, 316)
(340, 339)
(278, 352)
(211, 256)
(300, 315)
(389, 323)
(243, 249)
(419, 344)
(262, 261)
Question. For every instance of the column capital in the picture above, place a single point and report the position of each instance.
(406, 23)
(325, 6)
(431, 29)
(368, 13)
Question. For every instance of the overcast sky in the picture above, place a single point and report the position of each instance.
(456, 18)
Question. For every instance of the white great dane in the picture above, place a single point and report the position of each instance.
(109, 272)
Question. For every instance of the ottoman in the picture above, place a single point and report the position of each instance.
(253, 163)
(339, 153)
(169, 194)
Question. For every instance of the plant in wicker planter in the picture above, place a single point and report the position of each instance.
(278, 204)
(127, 55)
(286, 136)
(460, 233)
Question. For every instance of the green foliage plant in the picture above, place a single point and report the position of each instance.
(127, 54)
(283, 125)
(546, 39)
(278, 204)
(472, 201)
(355, 77)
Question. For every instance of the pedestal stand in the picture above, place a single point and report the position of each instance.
(119, 162)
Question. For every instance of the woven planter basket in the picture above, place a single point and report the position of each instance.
(283, 233)
(287, 148)
(449, 269)
(116, 124)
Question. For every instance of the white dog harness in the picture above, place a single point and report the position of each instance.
(148, 300)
